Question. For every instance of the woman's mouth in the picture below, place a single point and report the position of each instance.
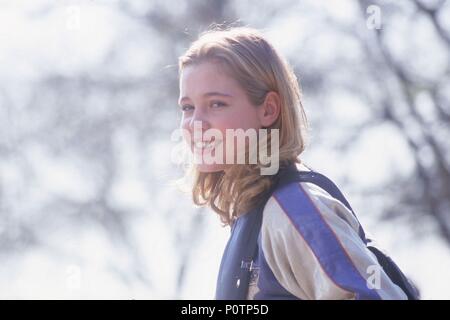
(205, 145)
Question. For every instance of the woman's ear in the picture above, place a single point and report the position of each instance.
(270, 110)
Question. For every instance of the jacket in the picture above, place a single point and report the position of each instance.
(309, 246)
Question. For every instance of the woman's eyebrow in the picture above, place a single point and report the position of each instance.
(216, 93)
(209, 94)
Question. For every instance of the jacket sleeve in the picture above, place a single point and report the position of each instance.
(311, 243)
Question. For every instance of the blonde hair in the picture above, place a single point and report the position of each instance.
(251, 60)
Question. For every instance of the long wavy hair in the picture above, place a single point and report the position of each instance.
(251, 60)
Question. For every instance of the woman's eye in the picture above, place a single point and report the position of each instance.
(217, 104)
(186, 108)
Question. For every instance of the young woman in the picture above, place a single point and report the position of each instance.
(309, 243)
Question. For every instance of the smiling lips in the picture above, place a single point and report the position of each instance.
(205, 144)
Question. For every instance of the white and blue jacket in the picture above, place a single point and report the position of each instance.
(309, 247)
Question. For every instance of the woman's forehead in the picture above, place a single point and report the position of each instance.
(205, 78)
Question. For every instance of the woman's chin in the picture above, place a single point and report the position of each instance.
(210, 167)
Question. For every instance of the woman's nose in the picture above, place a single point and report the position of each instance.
(199, 122)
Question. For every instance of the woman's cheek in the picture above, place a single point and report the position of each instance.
(187, 137)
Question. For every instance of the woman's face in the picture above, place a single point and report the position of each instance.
(210, 99)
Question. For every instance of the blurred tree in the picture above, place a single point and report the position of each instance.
(103, 120)
(416, 101)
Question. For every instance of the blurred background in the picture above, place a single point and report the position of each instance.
(88, 102)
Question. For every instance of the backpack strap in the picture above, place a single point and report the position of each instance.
(291, 174)
(237, 260)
